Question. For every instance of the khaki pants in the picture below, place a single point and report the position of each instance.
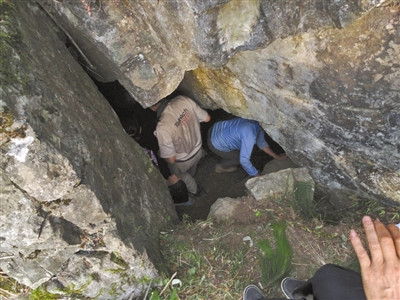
(186, 170)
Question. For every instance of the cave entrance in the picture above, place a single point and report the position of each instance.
(215, 185)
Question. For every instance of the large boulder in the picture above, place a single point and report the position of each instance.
(81, 203)
(149, 45)
(329, 97)
(322, 77)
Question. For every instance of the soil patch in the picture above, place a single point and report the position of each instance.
(220, 185)
(217, 260)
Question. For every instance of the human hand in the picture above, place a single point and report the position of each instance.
(380, 273)
(281, 157)
(172, 179)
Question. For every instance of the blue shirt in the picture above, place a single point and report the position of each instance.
(239, 134)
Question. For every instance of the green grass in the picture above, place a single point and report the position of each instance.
(303, 200)
(173, 296)
(275, 263)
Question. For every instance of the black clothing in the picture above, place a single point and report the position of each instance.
(332, 282)
(141, 128)
(148, 141)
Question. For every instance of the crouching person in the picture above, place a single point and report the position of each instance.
(179, 137)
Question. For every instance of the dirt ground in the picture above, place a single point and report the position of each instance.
(213, 260)
(219, 185)
(215, 185)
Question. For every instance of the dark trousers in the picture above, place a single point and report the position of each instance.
(332, 282)
(229, 159)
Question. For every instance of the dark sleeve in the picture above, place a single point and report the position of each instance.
(163, 166)
(149, 141)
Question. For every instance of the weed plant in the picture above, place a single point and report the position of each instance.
(275, 263)
(303, 201)
(155, 296)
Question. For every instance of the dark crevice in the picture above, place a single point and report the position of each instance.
(131, 112)
(44, 214)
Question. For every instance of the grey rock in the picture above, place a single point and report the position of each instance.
(277, 165)
(322, 78)
(329, 97)
(223, 209)
(81, 204)
(280, 184)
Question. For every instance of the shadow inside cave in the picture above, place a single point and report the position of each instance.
(215, 185)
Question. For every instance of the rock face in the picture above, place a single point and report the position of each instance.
(81, 204)
(322, 77)
(279, 184)
(223, 209)
(287, 183)
(330, 98)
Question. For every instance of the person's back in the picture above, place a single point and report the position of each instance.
(179, 130)
(232, 134)
(234, 140)
(179, 137)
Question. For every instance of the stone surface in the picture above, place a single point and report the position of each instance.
(265, 188)
(81, 204)
(321, 76)
(223, 209)
(277, 165)
(148, 45)
(278, 184)
(329, 97)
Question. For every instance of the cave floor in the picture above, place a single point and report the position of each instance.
(218, 185)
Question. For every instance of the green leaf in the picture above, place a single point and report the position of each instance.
(155, 296)
(174, 295)
(192, 271)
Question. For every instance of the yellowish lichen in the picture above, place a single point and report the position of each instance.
(220, 83)
(6, 131)
(388, 184)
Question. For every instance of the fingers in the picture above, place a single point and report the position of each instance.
(386, 243)
(361, 254)
(373, 241)
(383, 242)
(395, 232)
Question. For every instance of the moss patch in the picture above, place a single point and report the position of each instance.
(9, 37)
(114, 257)
(40, 294)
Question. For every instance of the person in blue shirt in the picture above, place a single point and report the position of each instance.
(233, 140)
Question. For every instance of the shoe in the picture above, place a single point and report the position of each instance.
(187, 203)
(251, 292)
(289, 286)
(220, 169)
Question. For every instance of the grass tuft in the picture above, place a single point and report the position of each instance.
(275, 263)
(303, 201)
